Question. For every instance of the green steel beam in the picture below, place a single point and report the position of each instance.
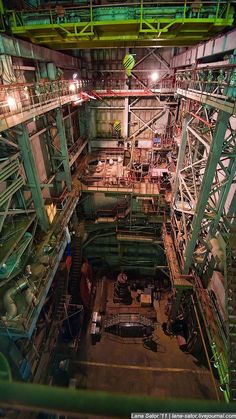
(52, 154)
(212, 162)
(223, 196)
(32, 175)
(64, 151)
(9, 169)
(71, 402)
(209, 100)
(10, 190)
(5, 212)
(181, 155)
(231, 214)
(156, 23)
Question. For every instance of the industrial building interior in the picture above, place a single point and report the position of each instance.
(117, 207)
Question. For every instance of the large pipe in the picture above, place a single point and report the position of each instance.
(112, 233)
(37, 397)
(30, 297)
(9, 298)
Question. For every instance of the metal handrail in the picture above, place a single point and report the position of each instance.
(16, 98)
(64, 14)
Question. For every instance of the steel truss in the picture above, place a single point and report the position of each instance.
(163, 23)
(205, 175)
(204, 211)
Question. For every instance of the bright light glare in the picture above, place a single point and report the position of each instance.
(91, 97)
(75, 75)
(72, 87)
(11, 101)
(78, 101)
(154, 76)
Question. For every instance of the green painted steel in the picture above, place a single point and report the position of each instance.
(52, 155)
(231, 170)
(165, 23)
(32, 175)
(64, 151)
(229, 380)
(68, 401)
(10, 190)
(13, 262)
(214, 156)
(181, 156)
(5, 371)
(9, 168)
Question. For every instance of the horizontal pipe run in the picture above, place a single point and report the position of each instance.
(70, 402)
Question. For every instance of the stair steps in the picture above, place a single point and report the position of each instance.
(231, 314)
(75, 269)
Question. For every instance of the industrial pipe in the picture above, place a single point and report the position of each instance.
(70, 402)
(112, 233)
(30, 296)
(9, 299)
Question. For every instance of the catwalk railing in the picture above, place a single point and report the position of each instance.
(219, 81)
(93, 12)
(19, 97)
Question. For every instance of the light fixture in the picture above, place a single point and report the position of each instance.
(78, 101)
(75, 75)
(223, 387)
(72, 87)
(91, 97)
(154, 76)
(11, 101)
(26, 94)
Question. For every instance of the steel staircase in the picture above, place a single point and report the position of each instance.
(75, 269)
(231, 314)
(61, 300)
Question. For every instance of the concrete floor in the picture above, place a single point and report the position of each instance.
(124, 365)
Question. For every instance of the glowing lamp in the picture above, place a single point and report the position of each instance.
(154, 76)
(11, 101)
(72, 87)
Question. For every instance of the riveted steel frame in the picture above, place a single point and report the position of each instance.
(164, 23)
(32, 175)
(10, 174)
(63, 148)
(204, 185)
(205, 174)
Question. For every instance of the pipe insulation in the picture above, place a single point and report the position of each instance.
(9, 299)
(30, 297)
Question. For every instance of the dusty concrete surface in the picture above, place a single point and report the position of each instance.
(123, 365)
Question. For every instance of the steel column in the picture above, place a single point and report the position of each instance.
(126, 118)
(213, 159)
(32, 175)
(64, 150)
(223, 196)
(181, 155)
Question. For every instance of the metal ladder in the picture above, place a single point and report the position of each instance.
(231, 318)
(61, 295)
(75, 269)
